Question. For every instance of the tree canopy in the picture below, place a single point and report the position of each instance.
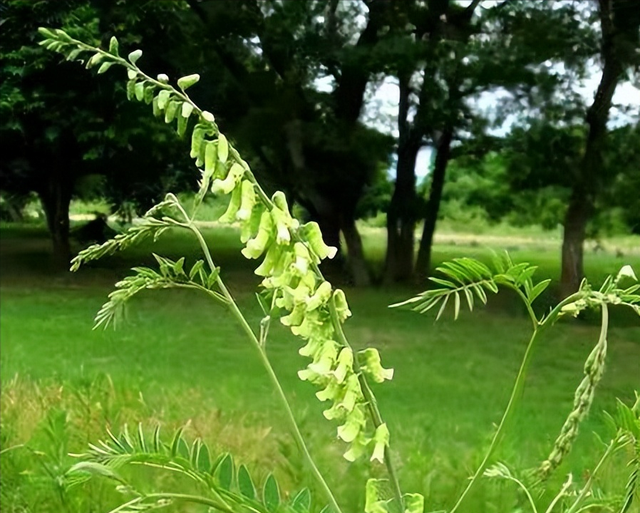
(291, 82)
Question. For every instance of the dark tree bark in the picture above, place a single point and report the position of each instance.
(443, 154)
(575, 224)
(401, 216)
(55, 199)
(589, 176)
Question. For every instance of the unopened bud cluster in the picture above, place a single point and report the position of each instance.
(583, 398)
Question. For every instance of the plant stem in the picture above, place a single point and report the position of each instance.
(233, 307)
(515, 393)
(372, 404)
(532, 314)
(196, 499)
(506, 416)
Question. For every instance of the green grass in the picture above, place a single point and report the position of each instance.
(181, 360)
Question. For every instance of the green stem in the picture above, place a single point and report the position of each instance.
(372, 404)
(196, 499)
(233, 307)
(515, 394)
(532, 314)
(506, 417)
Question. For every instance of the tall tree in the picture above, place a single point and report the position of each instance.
(620, 25)
(261, 61)
(54, 134)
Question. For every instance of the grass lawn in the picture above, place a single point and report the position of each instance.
(181, 360)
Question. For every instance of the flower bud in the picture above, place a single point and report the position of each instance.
(230, 182)
(381, 441)
(370, 363)
(354, 424)
(312, 234)
(342, 308)
(345, 364)
(234, 204)
(358, 447)
(256, 246)
(248, 201)
(320, 297)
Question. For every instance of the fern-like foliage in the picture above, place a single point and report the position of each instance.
(170, 275)
(471, 279)
(152, 224)
(626, 422)
(224, 486)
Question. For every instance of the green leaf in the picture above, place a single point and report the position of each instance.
(213, 276)
(113, 46)
(141, 439)
(135, 56)
(302, 501)
(245, 483)
(442, 308)
(456, 309)
(538, 289)
(176, 440)
(196, 269)
(157, 444)
(185, 83)
(203, 458)
(271, 493)
(178, 266)
(224, 472)
(183, 449)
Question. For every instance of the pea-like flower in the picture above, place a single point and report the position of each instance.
(371, 364)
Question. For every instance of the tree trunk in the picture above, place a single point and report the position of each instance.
(55, 202)
(590, 173)
(443, 153)
(401, 217)
(575, 223)
(356, 262)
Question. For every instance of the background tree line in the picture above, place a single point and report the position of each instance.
(292, 80)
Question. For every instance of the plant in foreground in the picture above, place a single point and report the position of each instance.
(294, 291)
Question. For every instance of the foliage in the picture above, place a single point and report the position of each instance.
(226, 485)
(55, 141)
(294, 290)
